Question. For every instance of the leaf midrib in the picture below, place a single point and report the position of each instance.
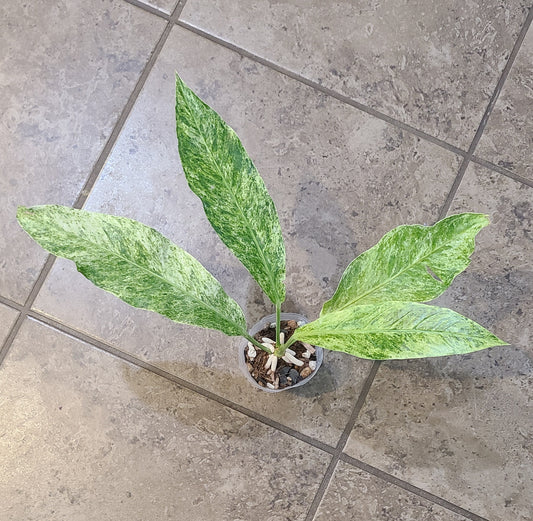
(269, 273)
(99, 247)
(339, 332)
(375, 288)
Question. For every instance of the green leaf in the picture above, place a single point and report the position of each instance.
(396, 330)
(411, 263)
(233, 194)
(136, 263)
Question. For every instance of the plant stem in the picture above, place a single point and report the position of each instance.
(255, 342)
(278, 322)
(288, 344)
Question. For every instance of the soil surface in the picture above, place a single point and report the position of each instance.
(286, 374)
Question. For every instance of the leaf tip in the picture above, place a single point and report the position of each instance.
(181, 87)
(483, 219)
(500, 342)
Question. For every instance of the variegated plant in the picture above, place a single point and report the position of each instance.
(376, 311)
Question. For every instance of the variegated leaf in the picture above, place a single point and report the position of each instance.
(411, 263)
(136, 263)
(396, 330)
(234, 196)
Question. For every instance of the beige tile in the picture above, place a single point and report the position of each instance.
(508, 137)
(7, 319)
(358, 496)
(336, 197)
(432, 65)
(87, 436)
(66, 72)
(460, 427)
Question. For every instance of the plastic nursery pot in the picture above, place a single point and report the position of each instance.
(262, 324)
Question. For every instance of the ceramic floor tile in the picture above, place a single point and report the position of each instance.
(508, 137)
(336, 196)
(431, 65)
(358, 496)
(164, 5)
(66, 72)
(460, 427)
(7, 319)
(87, 436)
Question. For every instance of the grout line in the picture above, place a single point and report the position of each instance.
(325, 90)
(11, 336)
(176, 13)
(503, 171)
(149, 8)
(95, 172)
(337, 452)
(410, 488)
(358, 406)
(117, 129)
(10, 303)
(334, 94)
(486, 115)
(453, 190)
(27, 306)
(373, 112)
(342, 443)
(132, 359)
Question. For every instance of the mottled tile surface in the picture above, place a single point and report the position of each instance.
(164, 5)
(335, 196)
(460, 427)
(87, 436)
(66, 71)
(508, 137)
(429, 64)
(7, 319)
(358, 496)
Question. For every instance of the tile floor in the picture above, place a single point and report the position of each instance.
(360, 116)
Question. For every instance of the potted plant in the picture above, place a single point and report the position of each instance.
(377, 311)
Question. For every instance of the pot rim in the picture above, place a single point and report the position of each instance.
(258, 326)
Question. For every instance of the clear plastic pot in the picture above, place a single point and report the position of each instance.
(262, 324)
